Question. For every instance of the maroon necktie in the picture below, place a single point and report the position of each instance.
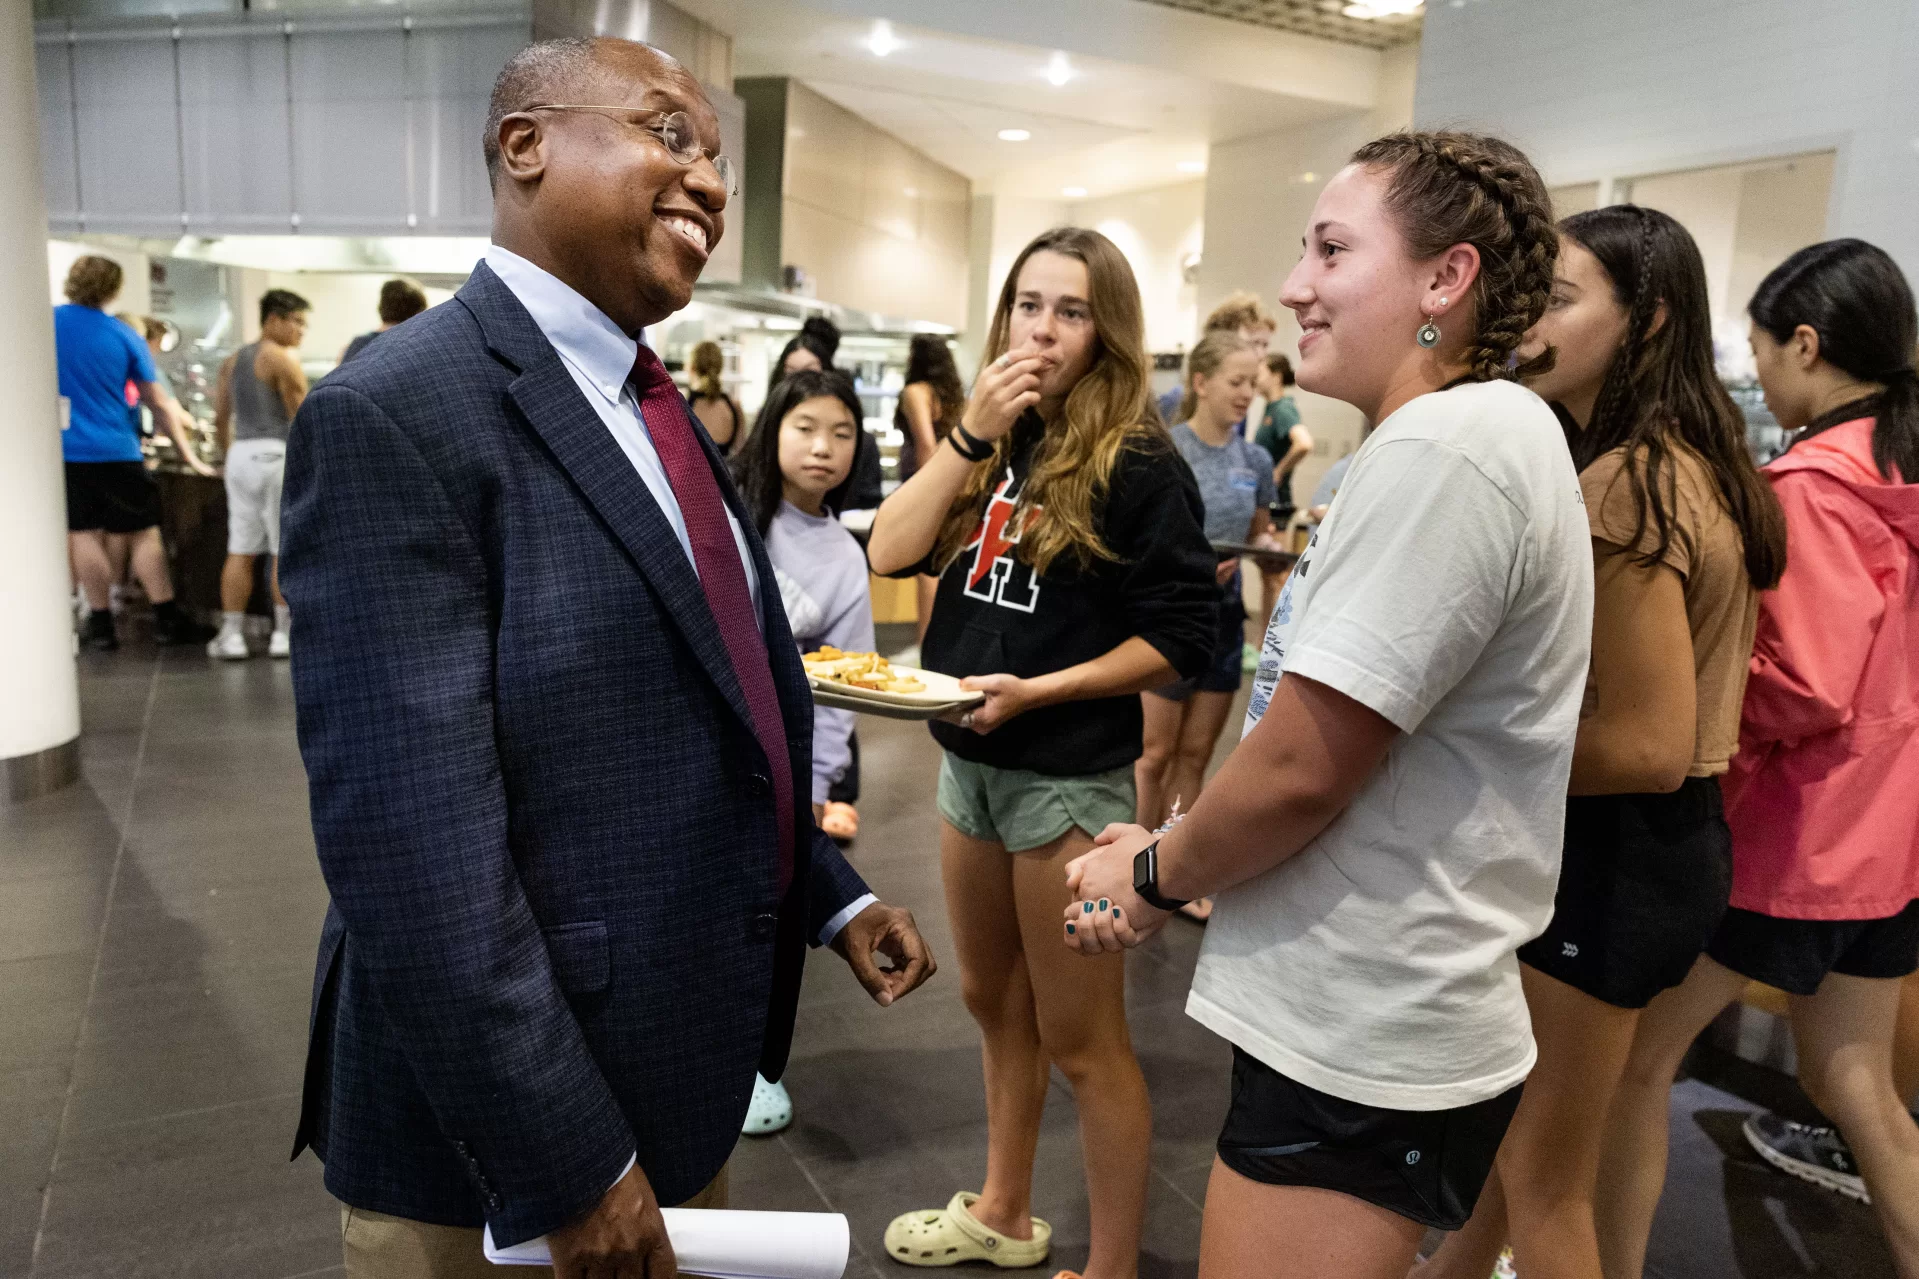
(716, 557)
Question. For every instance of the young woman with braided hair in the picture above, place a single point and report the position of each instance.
(1685, 534)
(1387, 833)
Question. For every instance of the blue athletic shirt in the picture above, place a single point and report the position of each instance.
(98, 356)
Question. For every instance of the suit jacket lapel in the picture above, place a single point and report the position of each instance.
(551, 402)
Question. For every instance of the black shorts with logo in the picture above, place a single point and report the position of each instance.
(1643, 882)
(1796, 954)
(115, 497)
(1426, 1165)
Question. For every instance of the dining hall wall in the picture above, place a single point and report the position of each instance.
(1260, 192)
(1600, 93)
(355, 121)
(362, 123)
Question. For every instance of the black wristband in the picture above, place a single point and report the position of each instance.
(1146, 879)
(968, 445)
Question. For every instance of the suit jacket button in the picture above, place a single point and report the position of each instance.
(759, 784)
(764, 925)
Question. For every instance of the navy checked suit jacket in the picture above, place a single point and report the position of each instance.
(556, 935)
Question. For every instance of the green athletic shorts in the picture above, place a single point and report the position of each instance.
(1023, 809)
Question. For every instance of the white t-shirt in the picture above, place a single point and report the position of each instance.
(1449, 589)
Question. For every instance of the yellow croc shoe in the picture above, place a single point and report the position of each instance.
(947, 1236)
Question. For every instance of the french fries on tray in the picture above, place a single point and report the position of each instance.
(858, 670)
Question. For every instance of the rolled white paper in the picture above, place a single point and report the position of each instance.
(728, 1244)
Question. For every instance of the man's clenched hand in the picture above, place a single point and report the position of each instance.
(890, 931)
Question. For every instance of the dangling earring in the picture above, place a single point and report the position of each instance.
(1428, 334)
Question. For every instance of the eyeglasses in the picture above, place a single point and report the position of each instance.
(675, 132)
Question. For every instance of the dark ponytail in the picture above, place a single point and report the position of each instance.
(1662, 389)
(1853, 295)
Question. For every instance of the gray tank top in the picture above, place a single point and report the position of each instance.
(258, 411)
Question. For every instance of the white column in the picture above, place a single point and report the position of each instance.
(39, 697)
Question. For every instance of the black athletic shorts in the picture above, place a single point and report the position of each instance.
(117, 497)
(1426, 1165)
(1643, 882)
(1796, 954)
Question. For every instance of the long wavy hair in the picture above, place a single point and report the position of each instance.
(1204, 361)
(1108, 411)
(930, 360)
(1853, 295)
(1661, 391)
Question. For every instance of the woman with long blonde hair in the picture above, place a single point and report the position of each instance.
(1074, 573)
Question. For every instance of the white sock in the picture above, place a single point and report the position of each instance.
(282, 618)
(231, 623)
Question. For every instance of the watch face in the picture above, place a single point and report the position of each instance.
(1144, 869)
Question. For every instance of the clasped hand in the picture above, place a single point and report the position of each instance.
(1106, 914)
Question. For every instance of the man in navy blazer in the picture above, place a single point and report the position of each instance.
(558, 946)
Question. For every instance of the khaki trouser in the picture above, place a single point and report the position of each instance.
(381, 1247)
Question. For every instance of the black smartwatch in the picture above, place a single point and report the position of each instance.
(1146, 879)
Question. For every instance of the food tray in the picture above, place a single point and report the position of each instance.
(943, 693)
(1266, 557)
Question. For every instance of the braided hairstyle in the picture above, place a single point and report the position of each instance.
(1662, 394)
(1448, 188)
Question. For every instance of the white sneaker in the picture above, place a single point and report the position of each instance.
(228, 645)
(281, 645)
(770, 1111)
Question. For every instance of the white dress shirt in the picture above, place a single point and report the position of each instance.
(600, 358)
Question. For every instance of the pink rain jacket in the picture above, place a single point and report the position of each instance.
(1823, 796)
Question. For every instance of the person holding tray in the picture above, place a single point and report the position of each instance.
(1074, 573)
(1183, 720)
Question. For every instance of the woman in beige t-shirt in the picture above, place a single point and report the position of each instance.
(1685, 533)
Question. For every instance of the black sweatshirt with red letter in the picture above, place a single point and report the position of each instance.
(994, 615)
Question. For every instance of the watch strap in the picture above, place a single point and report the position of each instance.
(1146, 880)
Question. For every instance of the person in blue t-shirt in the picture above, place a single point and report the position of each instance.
(1242, 313)
(113, 505)
(1183, 720)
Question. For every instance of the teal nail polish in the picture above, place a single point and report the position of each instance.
(1116, 912)
(1069, 928)
(1102, 903)
(1087, 908)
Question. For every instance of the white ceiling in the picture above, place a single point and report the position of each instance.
(1312, 17)
(1119, 123)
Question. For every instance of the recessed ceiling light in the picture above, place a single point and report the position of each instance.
(1309, 177)
(911, 193)
(1073, 193)
(1370, 9)
(1058, 69)
(882, 41)
(1192, 166)
(1015, 135)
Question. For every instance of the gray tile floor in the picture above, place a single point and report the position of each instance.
(157, 925)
